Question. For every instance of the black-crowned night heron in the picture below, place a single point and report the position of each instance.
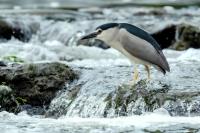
(134, 43)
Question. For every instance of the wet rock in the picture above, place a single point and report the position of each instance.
(178, 37)
(4, 91)
(33, 110)
(16, 30)
(126, 98)
(2, 63)
(187, 36)
(145, 97)
(35, 84)
(166, 37)
(11, 58)
(57, 110)
(106, 92)
(7, 100)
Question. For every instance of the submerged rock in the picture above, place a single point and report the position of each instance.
(105, 92)
(57, 110)
(126, 98)
(145, 97)
(35, 84)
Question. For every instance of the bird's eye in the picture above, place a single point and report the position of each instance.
(99, 30)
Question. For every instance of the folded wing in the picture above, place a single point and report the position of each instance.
(144, 50)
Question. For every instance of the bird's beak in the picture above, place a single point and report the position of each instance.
(91, 35)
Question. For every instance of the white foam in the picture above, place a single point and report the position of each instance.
(190, 55)
(54, 50)
(25, 123)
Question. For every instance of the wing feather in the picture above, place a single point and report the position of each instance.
(143, 50)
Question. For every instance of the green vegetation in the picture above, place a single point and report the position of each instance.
(13, 58)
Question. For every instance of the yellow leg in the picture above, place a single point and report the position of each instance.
(148, 72)
(135, 73)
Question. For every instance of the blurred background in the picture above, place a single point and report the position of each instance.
(75, 4)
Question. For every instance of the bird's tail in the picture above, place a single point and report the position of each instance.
(163, 65)
(160, 69)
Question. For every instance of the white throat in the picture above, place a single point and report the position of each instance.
(109, 36)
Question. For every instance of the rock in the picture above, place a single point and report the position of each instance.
(178, 37)
(2, 63)
(7, 100)
(4, 91)
(126, 98)
(165, 37)
(106, 92)
(56, 110)
(11, 59)
(16, 30)
(36, 84)
(187, 36)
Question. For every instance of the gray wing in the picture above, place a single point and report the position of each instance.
(143, 50)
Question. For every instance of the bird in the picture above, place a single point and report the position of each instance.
(133, 42)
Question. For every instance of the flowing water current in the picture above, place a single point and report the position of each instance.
(23, 123)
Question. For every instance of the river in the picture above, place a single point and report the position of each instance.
(52, 35)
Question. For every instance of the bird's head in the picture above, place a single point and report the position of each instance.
(104, 32)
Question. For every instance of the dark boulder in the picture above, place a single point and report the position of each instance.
(165, 37)
(35, 84)
(141, 98)
(7, 100)
(17, 30)
(178, 37)
(188, 36)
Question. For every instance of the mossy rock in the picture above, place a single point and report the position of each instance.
(187, 36)
(7, 100)
(13, 58)
(36, 84)
(178, 37)
(126, 98)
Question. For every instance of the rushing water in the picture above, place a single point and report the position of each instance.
(101, 72)
(150, 122)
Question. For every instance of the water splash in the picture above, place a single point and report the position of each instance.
(147, 122)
